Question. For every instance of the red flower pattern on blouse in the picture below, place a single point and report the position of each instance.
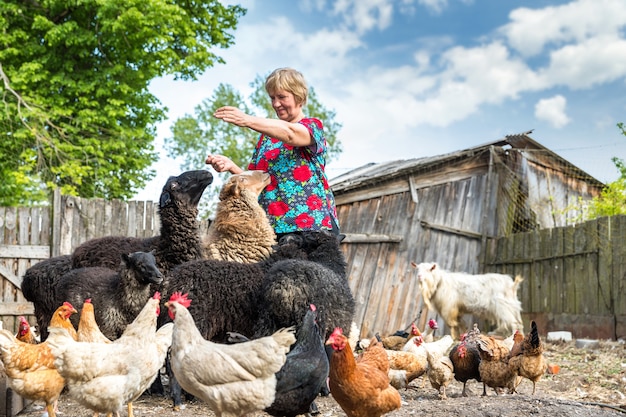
(272, 185)
(277, 208)
(302, 173)
(304, 221)
(314, 202)
(272, 154)
(326, 222)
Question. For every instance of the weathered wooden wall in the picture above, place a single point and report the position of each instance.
(444, 212)
(575, 276)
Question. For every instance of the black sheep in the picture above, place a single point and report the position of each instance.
(225, 293)
(225, 296)
(178, 242)
(291, 285)
(117, 296)
(39, 285)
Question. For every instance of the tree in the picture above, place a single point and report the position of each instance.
(76, 110)
(612, 198)
(194, 137)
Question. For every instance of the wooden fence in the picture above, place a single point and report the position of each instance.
(575, 276)
(31, 234)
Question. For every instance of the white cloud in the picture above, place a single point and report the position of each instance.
(365, 15)
(552, 110)
(530, 30)
(594, 61)
(435, 6)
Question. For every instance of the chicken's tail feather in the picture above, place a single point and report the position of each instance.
(285, 336)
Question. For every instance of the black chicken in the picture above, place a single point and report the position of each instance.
(465, 359)
(304, 373)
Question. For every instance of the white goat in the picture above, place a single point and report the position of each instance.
(489, 296)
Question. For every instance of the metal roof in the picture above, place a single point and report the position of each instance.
(376, 172)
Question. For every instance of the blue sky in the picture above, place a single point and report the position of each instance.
(415, 78)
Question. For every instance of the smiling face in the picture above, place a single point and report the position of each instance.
(286, 106)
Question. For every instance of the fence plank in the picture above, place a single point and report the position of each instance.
(604, 266)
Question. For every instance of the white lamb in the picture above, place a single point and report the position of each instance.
(489, 296)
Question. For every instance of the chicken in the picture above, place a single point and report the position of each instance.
(88, 330)
(437, 348)
(429, 333)
(105, 376)
(530, 363)
(232, 379)
(494, 368)
(396, 341)
(404, 367)
(440, 371)
(30, 367)
(60, 318)
(514, 343)
(361, 386)
(465, 358)
(304, 373)
(25, 333)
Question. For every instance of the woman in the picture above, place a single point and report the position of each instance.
(292, 149)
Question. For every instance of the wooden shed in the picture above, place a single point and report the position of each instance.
(444, 209)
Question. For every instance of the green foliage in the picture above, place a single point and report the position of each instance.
(612, 199)
(76, 111)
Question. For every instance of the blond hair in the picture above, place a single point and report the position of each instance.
(290, 80)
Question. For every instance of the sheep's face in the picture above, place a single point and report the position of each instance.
(187, 188)
(253, 181)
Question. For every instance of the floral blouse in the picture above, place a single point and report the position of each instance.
(298, 196)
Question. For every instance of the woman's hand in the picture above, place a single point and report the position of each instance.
(221, 163)
(232, 115)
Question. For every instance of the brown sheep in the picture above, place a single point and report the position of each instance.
(241, 231)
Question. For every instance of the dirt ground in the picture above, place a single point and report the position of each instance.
(590, 383)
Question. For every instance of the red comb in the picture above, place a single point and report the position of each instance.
(312, 307)
(181, 299)
(157, 295)
(88, 300)
(68, 305)
(337, 331)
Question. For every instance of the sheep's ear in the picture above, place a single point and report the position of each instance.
(126, 258)
(231, 188)
(432, 268)
(165, 199)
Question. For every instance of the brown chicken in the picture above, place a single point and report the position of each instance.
(440, 372)
(25, 333)
(30, 367)
(465, 359)
(515, 344)
(88, 330)
(396, 342)
(361, 386)
(61, 318)
(494, 368)
(530, 363)
(404, 367)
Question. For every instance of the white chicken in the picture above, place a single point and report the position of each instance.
(232, 379)
(105, 376)
(437, 348)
